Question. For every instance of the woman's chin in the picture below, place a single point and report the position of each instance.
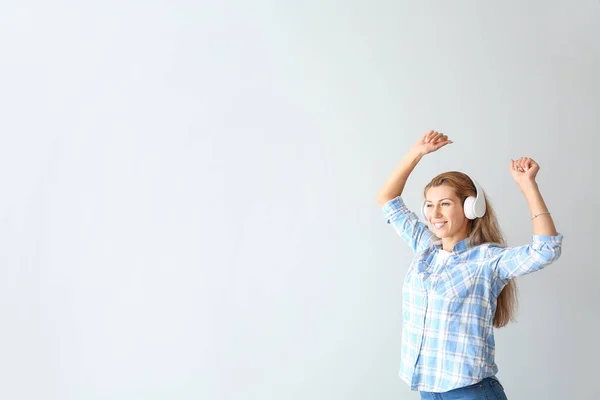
(440, 233)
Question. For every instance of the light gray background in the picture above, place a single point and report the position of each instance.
(188, 190)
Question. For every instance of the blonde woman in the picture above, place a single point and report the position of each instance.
(460, 284)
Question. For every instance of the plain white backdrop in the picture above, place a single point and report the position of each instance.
(188, 190)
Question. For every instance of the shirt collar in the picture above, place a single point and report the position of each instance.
(458, 248)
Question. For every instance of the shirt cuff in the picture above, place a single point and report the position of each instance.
(548, 239)
(393, 207)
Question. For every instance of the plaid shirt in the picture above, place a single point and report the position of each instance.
(448, 306)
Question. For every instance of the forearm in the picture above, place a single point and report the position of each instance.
(394, 185)
(542, 224)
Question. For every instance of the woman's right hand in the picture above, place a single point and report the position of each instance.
(430, 142)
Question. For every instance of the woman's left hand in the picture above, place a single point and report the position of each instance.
(524, 170)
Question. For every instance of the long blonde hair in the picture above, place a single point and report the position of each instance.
(482, 230)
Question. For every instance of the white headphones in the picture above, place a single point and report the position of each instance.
(474, 207)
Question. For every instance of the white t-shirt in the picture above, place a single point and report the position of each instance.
(441, 259)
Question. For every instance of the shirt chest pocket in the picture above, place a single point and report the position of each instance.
(455, 281)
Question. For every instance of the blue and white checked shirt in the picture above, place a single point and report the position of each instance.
(448, 306)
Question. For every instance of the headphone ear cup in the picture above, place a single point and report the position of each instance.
(424, 211)
(469, 207)
(479, 207)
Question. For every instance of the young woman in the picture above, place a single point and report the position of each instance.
(460, 285)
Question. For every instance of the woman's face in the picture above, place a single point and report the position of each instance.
(445, 213)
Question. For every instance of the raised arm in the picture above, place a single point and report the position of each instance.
(394, 185)
(406, 223)
(524, 171)
(546, 241)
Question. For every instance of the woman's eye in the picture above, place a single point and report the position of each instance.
(445, 204)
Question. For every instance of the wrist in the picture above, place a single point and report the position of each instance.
(528, 185)
(416, 153)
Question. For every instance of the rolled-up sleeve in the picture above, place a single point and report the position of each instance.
(406, 223)
(522, 260)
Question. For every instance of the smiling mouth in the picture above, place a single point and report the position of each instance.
(440, 224)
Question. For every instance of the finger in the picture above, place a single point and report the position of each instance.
(432, 137)
(428, 136)
(518, 165)
(439, 145)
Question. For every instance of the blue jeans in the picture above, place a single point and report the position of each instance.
(488, 389)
